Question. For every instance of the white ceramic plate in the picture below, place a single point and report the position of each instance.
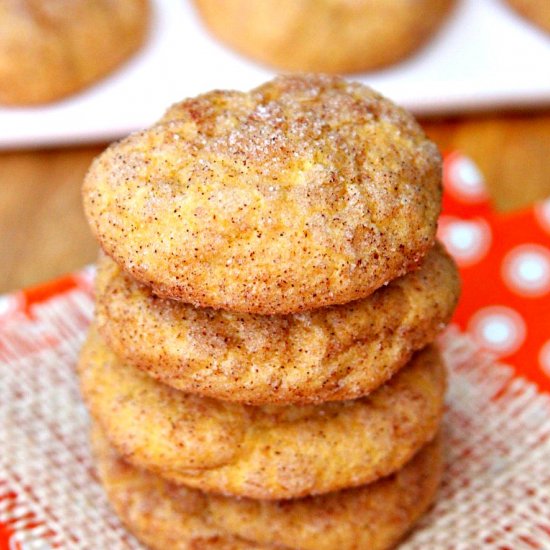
(485, 56)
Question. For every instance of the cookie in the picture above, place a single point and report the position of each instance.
(165, 516)
(339, 36)
(50, 49)
(306, 192)
(536, 11)
(269, 452)
(340, 352)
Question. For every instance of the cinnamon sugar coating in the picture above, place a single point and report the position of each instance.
(269, 452)
(52, 48)
(165, 516)
(306, 192)
(340, 352)
(332, 36)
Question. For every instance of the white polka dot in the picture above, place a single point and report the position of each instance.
(498, 329)
(85, 277)
(542, 212)
(10, 304)
(28, 541)
(544, 357)
(465, 180)
(468, 241)
(526, 270)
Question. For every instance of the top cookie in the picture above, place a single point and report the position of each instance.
(306, 192)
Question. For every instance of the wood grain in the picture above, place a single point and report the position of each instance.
(44, 233)
(42, 225)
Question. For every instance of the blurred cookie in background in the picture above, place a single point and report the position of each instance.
(335, 36)
(536, 11)
(53, 48)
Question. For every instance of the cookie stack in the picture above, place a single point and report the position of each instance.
(260, 372)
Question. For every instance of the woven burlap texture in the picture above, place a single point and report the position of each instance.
(495, 494)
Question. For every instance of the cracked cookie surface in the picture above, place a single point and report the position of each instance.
(306, 192)
(335, 353)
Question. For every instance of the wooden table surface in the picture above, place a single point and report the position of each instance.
(44, 234)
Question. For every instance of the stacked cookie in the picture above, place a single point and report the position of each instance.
(260, 371)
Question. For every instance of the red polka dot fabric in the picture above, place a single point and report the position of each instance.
(504, 262)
